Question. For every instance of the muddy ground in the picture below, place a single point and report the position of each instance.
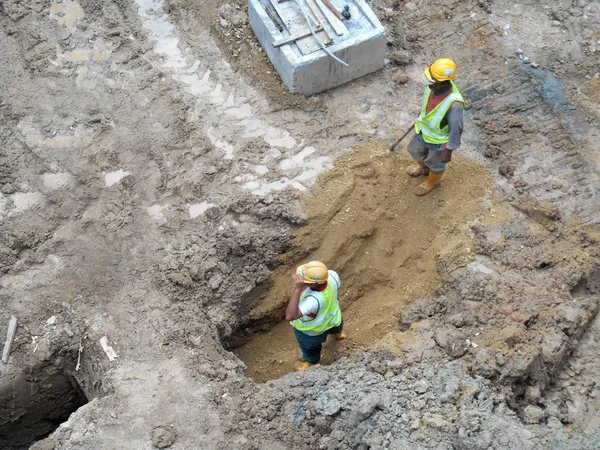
(159, 186)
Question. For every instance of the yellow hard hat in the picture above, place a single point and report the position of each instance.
(314, 272)
(441, 70)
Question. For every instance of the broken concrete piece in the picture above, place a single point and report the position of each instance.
(110, 352)
(51, 321)
(67, 330)
(10, 337)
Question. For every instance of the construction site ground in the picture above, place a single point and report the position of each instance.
(159, 186)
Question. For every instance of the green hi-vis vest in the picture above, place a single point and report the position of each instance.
(329, 314)
(429, 124)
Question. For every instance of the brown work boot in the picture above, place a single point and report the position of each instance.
(340, 336)
(432, 182)
(305, 365)
(417, 169)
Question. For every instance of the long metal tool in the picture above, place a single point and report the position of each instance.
(393, 145)
(306, 18)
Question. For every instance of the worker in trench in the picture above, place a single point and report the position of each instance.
(439, 126)
(314, 310)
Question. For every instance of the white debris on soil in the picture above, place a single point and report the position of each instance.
(110, 352)
(55, 181)
(200, 208)
(52, 320)
(476, 266)
(3, 202)
(23, 201)
(157, 212)
(10, 336)
(114, 177)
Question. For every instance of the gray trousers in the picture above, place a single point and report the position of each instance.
(431, 154)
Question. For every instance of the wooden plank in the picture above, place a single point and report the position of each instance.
(295, 37)
(10, 337)
(335, 23)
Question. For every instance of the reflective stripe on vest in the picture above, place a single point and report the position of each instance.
(329, 314)
(429, 124)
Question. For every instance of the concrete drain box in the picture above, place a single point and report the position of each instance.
(305, 68)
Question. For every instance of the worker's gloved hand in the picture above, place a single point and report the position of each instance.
(446, 155)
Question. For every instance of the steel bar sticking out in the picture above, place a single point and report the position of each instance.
(306, 18)
(315, 11)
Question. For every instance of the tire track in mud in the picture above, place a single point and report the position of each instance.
(537, 155)
(95, 274)
(131, 173)
(229, 113)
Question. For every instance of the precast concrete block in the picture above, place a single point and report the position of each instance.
(304, 67)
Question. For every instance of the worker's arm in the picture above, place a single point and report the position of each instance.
(293, 312)
(455, 123)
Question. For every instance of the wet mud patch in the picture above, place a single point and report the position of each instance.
(389, 246)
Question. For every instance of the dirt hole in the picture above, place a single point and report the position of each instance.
(389, 246)
(35, 404)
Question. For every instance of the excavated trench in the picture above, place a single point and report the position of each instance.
(35, 402)
(385, 243)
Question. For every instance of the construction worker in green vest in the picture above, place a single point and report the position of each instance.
(439, 127)
(314, 310)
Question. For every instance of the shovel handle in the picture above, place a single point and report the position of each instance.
(333, 10)
(393, 146)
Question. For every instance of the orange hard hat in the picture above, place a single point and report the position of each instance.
(442, 70)
(314, 272)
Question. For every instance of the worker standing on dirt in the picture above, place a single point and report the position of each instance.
(314, 310)
(439, 127)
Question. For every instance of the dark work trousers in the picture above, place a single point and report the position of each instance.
(311, 345)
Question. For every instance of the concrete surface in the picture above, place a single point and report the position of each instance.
(362, 47)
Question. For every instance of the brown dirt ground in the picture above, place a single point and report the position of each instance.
(365, 222)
